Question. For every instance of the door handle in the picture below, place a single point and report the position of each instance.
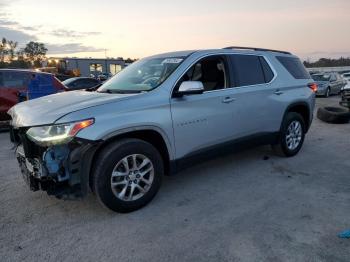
(228, 99)
(278, 92)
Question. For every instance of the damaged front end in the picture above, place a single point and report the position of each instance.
(59, 167)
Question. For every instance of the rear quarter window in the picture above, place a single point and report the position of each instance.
(267, 70)
(294, 67)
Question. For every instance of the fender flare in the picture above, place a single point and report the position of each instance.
(303, 104)
(123, 131)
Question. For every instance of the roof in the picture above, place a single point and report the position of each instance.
(243, 50)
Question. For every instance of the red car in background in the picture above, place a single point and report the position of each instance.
(17, 85)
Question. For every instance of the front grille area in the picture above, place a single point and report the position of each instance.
(31, 150)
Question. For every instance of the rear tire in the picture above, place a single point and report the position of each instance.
(119, 177)
(291, 136)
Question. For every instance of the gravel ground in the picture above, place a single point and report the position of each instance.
(249, 206)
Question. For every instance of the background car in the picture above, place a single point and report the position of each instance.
(346, 76)
(17, 85)
(328, 83)
(79, 83)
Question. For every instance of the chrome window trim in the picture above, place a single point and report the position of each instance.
(226, 88)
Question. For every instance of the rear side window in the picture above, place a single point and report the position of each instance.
(15, 79)
(294, 67)
(250, 70)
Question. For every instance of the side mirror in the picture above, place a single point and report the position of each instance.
(190, 88)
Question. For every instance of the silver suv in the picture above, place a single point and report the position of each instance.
(157, 116)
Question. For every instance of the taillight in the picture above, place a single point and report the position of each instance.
(313, 87)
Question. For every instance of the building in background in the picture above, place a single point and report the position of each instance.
(85, 66)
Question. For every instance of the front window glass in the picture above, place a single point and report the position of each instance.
(211, 71)
(144, 75)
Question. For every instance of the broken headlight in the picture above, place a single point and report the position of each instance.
(57, 134)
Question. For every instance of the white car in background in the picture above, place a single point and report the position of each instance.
(346, 76)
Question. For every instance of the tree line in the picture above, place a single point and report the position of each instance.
(328, 62)
(30, 56)
(34, 53)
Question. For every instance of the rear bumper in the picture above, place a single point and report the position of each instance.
(62, 171)
(321, 91)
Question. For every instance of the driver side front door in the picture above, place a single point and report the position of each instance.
(201, 121)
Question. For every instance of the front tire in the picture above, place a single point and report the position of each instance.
(127, 175)
(328, 92)
(291, 136)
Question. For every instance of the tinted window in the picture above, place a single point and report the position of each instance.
(247, 70)
(15, 79)
(76, 84)
(267, 70)
(294, 67)
(89, 83)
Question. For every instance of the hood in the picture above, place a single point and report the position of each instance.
(46, 110)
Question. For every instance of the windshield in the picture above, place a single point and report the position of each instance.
(321, 77)
(143, 75)
(68, 81)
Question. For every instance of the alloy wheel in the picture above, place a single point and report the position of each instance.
(132, 177)
(294, 135)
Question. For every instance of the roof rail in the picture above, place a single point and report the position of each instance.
(256, 49)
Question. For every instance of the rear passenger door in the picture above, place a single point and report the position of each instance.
(257, 101)
(339, 82)
(333, 84)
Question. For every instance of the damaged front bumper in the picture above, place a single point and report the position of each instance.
(60, 170)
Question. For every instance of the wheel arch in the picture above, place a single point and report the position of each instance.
(303, 109)
(152, 135)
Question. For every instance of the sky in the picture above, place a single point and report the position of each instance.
(139, 28)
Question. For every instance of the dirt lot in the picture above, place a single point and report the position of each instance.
(250, 206)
